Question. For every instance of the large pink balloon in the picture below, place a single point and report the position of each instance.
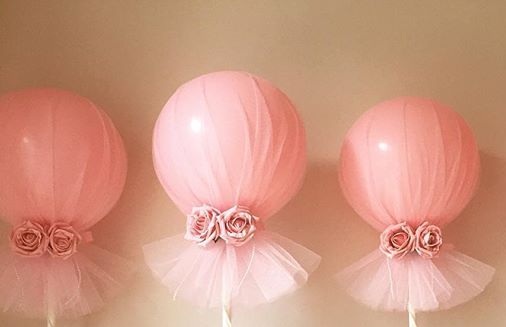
(62, 158)
(409, 159)
(230, 138)
(227, 139)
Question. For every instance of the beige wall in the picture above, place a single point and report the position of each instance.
(334, 59)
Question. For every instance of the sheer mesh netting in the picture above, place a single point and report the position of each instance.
(441, 283)
(260, 271)
(64, 288)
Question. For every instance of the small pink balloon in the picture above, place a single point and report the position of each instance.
(408, 167)
(409, 159)
(62, 158)
(230, 138)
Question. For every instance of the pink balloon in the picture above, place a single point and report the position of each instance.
(414, 162)
(230, 139)
(62, 162)
(409, 159)
(227, 138)
(62, 158)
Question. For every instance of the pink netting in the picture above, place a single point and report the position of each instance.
(74, 287)
(260, 271)
(441, 283)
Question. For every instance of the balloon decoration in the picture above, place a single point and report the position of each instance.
(62, 169)
(229, 149)
(408, 167)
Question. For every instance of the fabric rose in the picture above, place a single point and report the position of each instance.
(397, 240)
(29, 239)
(237, 225)
(429, 240)
(202, 225)
(63, 240)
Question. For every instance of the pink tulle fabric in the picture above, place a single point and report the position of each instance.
(227, 139)
(411, 160)
(62, 162)
(257, 272)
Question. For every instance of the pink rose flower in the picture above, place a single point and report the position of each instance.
(237, 225)
(63, 240)
(397, 240)
(429, 240)
(202, 225)
(29, 239)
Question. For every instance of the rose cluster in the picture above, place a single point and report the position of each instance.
(206, 224)
(396, 241)
(34, 239)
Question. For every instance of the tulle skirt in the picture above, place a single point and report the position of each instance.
(46, 286)
(424, 284)
(263, 269)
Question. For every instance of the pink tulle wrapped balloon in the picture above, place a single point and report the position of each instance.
(408, 167)
(62, 169)
(229, 147)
